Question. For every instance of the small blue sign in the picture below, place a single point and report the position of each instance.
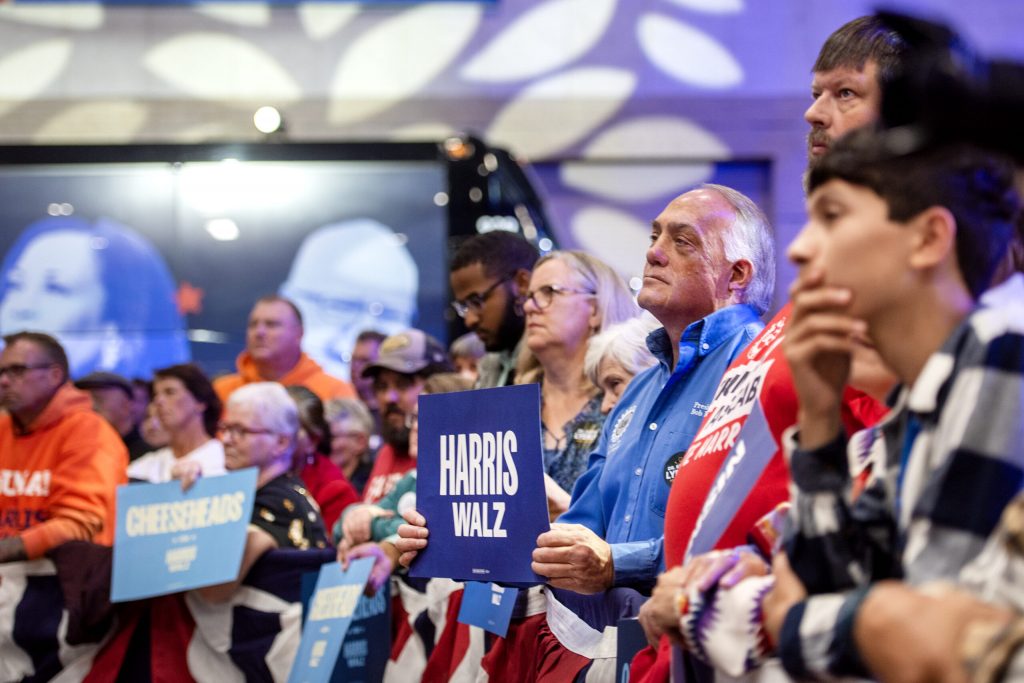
(488, 606)
(168, 540)
(331, 610)
(480, 484)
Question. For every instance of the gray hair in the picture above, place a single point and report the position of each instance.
(353, 409)
(625, 343)
(750, 239)
(269, 401)
(467, 346)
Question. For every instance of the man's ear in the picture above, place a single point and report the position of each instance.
(741, 274)
(934, 238)
(521, 281)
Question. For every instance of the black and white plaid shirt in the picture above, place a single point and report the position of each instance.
(943, 465)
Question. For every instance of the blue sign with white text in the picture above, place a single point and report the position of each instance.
(480, 484)
(168, 540)
(331, 610)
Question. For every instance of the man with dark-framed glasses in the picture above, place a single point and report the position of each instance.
(60, 462)
(489, 275)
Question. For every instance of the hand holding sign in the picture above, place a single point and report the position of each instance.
(573, 557)
(412, 537)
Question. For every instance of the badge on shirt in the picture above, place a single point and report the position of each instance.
(488, 606)
(620, 426)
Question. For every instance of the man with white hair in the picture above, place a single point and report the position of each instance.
(708, 278)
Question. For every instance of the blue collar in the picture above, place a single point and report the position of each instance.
(704, 335)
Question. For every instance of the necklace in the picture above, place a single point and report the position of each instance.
(559, 440)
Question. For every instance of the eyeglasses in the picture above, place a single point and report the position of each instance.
(474, 302)
(543, 296)
(18, 370)
(237, 431)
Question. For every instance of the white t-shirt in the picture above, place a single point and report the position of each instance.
(156, 467)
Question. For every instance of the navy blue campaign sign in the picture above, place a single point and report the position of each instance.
(480, 484)
(168, 540)
(331, 610)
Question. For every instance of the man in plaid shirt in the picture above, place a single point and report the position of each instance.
(897, 249)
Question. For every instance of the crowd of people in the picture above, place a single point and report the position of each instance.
(836, 492)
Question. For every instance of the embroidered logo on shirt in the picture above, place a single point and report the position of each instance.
(699, 409)
(620, 426)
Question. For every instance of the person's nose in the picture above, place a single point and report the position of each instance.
(656, 253)
(472, 319)
(608, 402)
(818, 114)
(799, 250)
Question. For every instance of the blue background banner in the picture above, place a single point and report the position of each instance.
(168, 540)
(331, 611)
(480, 484)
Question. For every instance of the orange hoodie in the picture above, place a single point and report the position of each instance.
(306, 373)
(58, 477)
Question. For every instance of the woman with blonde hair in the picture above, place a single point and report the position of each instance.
(572, 296)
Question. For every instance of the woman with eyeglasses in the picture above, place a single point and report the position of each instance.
(572, 296)
(187, 408)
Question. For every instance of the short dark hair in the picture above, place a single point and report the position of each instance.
(278, 299)
(499, 252)
(974, 185)
(856, 42)
(49, 345)
(197, 384)
(371, 336)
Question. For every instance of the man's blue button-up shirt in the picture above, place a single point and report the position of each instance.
(623, 493)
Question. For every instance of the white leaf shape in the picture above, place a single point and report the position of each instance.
(687, 54)
(712, 6)
(240, 14)
(111, 122)
(556, 112)
(656, 137)
(396, 58)
(27, 72)
(426, 131)
(634, 182)
(83, 17)
(220, 67)
(616, 237)
(322, 21)
(545, 38)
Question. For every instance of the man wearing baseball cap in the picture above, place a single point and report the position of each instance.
(406, 359)
(113, 397)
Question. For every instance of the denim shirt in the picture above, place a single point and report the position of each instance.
(623, 493)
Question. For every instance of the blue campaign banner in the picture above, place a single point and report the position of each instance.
(168, 540)
(488, 606)
(480, 484)
(331, 610)
(367, 647)
(145, 3)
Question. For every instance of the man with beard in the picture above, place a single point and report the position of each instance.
(489, 274)
(406, 359)
(846, 88)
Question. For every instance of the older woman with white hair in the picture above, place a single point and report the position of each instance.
(261, 422)
(616, 355)
(572, 296)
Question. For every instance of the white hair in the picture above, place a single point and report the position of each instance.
(270, 403)
(625, 343)
(750, 239)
